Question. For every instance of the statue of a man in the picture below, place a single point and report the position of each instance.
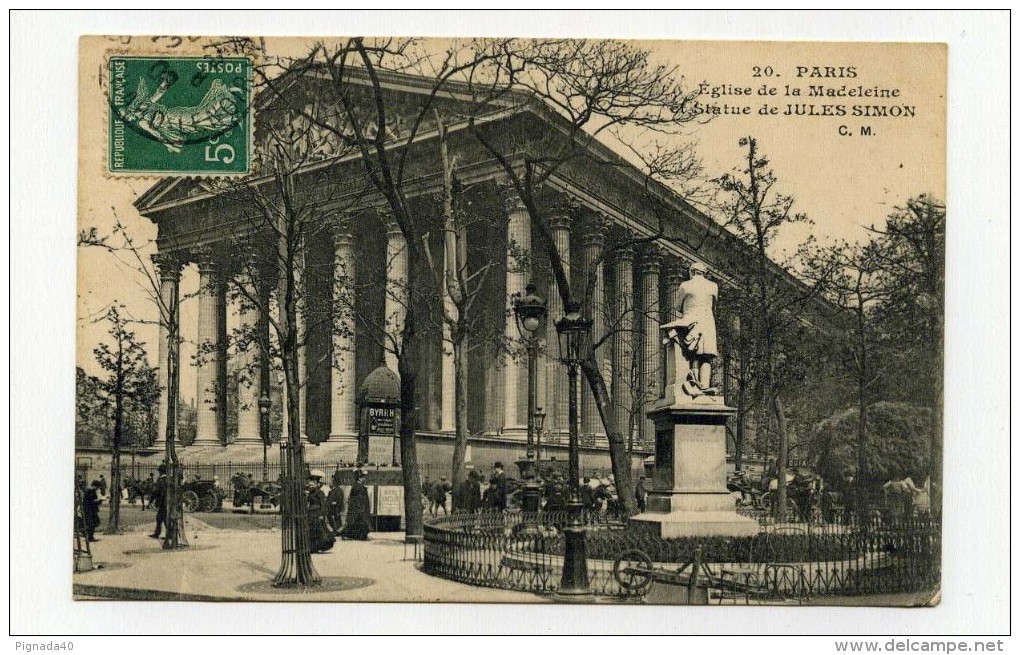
(694, 332)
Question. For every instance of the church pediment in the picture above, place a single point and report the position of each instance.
(174, 189)
(313, 119)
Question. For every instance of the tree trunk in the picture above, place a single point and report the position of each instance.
(175, 537)
(408, 363)
(618, 454)
(296, 569)
(460, 380)
(862, 405)
(454, 262)
(781, 457)
(113, 523)
(413, 514)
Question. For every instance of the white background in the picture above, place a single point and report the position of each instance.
(42, 282)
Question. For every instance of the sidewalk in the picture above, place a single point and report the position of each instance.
(235, 565)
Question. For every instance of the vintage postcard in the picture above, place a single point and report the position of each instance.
(495, 320)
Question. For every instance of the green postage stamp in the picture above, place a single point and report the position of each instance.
(179, 115)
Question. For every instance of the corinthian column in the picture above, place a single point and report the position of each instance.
(212, 310)
(343, 411)
(169, 268)
(556, 373)
(623, 338)
(518, 274)
(249, 384)
(396, 289)
(592, 241)
(650, 265)
(672, 279)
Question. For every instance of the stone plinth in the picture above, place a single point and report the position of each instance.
(689, 496)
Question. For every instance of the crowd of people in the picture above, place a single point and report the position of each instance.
(334, 514)
(473, 494)
(498, 493)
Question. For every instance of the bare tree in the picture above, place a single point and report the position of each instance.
(128, 384)
(854, 279)
(121, 244)
(915, 261)
(772, 302)
(593, 89)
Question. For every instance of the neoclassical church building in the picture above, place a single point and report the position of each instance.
(355, 256)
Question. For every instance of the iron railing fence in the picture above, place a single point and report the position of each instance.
(513, 550)
(524, 552)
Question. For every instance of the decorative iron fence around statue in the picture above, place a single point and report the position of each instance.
(784, 562)
(513, 550)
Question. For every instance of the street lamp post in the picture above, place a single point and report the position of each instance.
(264, 404)
(574, 333)
(530, 310)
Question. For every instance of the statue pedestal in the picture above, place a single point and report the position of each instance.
(689, 496)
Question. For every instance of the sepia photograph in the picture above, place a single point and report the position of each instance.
(509, 320)
(532, 322)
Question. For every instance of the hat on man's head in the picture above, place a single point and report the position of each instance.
(161, 468)
(497, 465)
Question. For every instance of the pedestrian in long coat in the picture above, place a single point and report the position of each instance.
(90, 508)
(468, 497)
(321, 536)
(498, 487)
(158, 499)
(358, 511)
(335, 507)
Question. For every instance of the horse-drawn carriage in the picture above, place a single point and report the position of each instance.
(202, 496)
(803, 493)
(247, 491)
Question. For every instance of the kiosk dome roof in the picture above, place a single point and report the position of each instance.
(381, 385)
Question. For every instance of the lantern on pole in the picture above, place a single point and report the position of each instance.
(574, 333)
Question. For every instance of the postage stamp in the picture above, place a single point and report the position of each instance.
(177, 115)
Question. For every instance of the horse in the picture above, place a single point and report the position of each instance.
(140, 489)
(912, 500)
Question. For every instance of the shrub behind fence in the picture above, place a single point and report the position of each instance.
(525, 553)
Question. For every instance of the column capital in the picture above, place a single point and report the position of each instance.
(207, 258)
(559, 220)
(387, 218)
(673, 274)
(624, 252)
(341, 227)
(651, 258)
(168, 265)
(510, 198)
(594, 232)
(561, 212)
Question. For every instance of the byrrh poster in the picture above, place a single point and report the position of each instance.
(651, 323)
